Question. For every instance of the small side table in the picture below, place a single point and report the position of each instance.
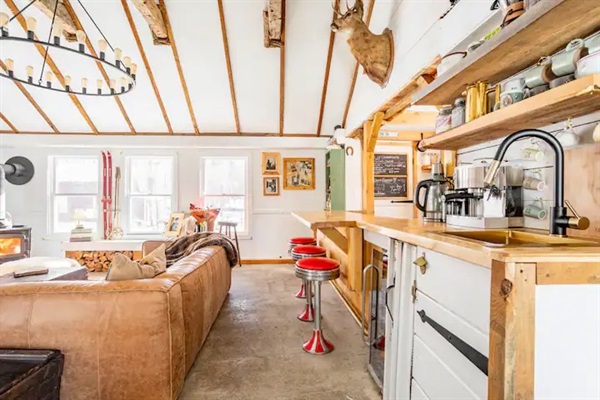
(54, 274)
(228, 228)
(30, 374)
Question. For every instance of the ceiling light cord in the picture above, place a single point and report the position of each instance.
(96, 25)
(48, 46)
(24, 8)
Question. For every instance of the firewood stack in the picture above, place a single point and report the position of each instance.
(97, 261)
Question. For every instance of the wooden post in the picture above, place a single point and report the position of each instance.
(370, 134)
(512, 331)
(355, 258)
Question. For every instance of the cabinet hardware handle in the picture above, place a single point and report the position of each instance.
(413, 291)
(364, 302)
(478, 359)
(421, 262)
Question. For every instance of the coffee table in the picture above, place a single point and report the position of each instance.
(54, 274)
(30, 374)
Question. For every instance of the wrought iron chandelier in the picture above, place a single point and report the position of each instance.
(125, 70)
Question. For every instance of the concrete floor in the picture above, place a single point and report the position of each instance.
(254, 352)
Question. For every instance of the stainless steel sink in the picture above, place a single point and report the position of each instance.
(514, 238)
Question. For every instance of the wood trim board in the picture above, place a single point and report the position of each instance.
(336, 6)
(229, 68)
(7, 122)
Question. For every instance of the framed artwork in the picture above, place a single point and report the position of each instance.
(271, 163)
(299, 173)
(271, 186)
(174, 225)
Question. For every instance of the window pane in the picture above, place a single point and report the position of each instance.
(151, 175)
(232, 209)
(149, 214)
(224, 176)
(75, 175)
(65, 206)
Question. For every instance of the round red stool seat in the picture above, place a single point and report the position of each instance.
(302, 240)
(317, 264)
(305, 251)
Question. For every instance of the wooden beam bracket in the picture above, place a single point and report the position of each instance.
(154, 17)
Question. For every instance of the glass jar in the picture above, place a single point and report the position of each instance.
(458, 112)
(443, 121)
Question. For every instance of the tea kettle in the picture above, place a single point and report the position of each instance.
(434, 192)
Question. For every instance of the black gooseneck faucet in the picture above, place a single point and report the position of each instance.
(559, 220)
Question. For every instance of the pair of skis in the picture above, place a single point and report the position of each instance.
(107, 193)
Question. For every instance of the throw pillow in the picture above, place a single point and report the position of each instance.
(122, 268)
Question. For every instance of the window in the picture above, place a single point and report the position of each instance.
(75, 186)
(225, 186)
(150, 189)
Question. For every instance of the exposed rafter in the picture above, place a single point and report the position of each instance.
(282, 71)
(186, 92)
(146, 64)
(7, 122)
(211, 134)
(154, 17)
(229, 69)
(336, 6)
(71, 13)
(63, 17)
(53, 67)
(274, 23)
(355, 74)
(34, 103)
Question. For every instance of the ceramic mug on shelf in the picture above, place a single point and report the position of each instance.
(565, 63)
(512, 97)
(535, 210)
(540, 75)
(514, 85)
(533, 154)
(533, 183)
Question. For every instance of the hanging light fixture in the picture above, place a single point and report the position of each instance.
(121, 69)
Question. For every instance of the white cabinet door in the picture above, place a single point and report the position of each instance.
(391, 333)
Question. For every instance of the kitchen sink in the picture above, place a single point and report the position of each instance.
(514, 238)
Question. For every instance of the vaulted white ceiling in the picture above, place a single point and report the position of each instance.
(197, 34)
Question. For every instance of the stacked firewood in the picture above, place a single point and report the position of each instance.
(97, 261)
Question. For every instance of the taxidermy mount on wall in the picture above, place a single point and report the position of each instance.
(375, 53)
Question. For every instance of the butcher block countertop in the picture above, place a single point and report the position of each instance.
(427, 235)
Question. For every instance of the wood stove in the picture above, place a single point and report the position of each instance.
(15, 243)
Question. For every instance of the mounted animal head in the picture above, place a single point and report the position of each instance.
(349, 21)
(375, 53)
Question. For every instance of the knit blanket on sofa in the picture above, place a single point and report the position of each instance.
(186, 245)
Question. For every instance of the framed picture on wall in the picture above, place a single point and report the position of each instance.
(174, 225)
(271, 163)
(299, 174)
(271, 186)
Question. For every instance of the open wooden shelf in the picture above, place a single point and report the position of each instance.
(543, 30)
(574, 99)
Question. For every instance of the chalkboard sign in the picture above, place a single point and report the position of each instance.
(391, 164)
(390, 187)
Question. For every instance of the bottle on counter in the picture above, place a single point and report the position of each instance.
(458, 112)
(443, 121)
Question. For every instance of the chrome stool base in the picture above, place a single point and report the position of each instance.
(308, 315)
(317, 344)
(302, 292)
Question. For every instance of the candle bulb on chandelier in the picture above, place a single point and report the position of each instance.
(29, 70)
(133, 70)
(10, 65)
(56, 32)
(123, 84)
(84, 83)
(49, 77)
(127, 62)
(113, 84)
(68, 83)
(31, 25)
(81, 36)
(102, 44)
(118, 56)
(99, 84)
(4, 20)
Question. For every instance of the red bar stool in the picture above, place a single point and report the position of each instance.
(298, 253)
(317, 270)
(301, 241)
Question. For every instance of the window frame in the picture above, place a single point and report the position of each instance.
(127, 196)
(52, 194)
(245, 234)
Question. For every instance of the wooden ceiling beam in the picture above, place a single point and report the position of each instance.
(34, 103)
(210, 134)
(229, 69)
(63, 17)
(355, 74)
(146, 64)
(282, 71)
(155, 19)
(163, 8)
(53, 67)
(327, 71)
(7, 122)
(71, 13)
(274, 23)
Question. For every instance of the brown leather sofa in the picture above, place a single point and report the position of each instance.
(121, 340)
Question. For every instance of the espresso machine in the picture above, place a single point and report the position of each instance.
(432, 206)
(475, 205)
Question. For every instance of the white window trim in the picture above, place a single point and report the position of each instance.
(243, 235)
(50, 230)
(126, 195)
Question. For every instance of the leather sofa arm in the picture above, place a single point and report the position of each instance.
(120, 339)
(150, 245)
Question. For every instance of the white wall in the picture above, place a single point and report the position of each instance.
(271, 224)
